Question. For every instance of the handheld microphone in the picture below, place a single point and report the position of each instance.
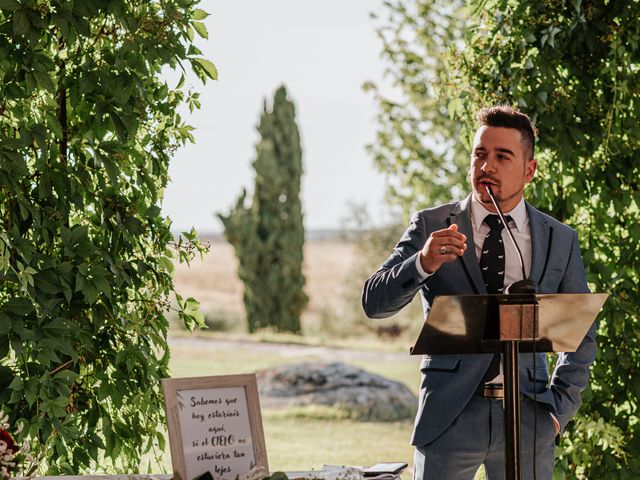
(521, 286)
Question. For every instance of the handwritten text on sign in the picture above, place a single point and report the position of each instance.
(216, 433)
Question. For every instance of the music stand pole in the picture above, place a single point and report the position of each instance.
(510, 351)
(518, 321)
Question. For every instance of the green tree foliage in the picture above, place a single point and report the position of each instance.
(418, 143)
(87, 128)
(573, 67)
(268, 236)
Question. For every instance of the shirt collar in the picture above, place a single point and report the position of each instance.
(478, 212)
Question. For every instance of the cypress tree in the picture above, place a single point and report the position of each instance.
(268, 236)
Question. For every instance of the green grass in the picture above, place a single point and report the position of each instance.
(299, 443)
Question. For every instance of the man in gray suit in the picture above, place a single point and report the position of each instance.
(461, 248)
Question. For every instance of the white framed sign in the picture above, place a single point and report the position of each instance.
(215, 426)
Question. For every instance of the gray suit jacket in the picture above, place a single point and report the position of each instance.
(449, 381)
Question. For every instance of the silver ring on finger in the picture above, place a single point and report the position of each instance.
(443, 250)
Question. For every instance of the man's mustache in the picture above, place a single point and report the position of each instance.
(489, 178)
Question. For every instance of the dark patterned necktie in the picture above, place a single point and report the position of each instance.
(492, 260)
(492, 264)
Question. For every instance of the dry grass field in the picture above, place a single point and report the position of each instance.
(328, 267)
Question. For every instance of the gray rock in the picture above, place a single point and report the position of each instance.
(362, 395)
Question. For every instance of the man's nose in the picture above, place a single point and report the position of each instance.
(488, 165)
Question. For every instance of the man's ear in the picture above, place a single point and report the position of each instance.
(530, 170)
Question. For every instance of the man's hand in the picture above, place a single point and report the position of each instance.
(442, 246)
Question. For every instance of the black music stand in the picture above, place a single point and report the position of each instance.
(508, 324)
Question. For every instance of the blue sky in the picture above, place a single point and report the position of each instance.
(323, 52)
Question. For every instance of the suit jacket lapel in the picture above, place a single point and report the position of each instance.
(540, 233)
(461, 216)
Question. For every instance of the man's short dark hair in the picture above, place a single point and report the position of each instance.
(509, 117)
